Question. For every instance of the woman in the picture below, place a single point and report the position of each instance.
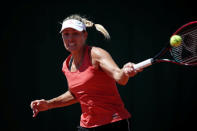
(92, 75)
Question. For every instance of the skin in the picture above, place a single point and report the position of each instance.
(74, 42)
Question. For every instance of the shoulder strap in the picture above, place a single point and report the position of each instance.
(70, 63)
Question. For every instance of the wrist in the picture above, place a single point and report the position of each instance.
(49, 104)
(123, 77)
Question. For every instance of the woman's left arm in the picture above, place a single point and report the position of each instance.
(107, 64)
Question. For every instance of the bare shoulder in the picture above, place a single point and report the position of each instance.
(97, 53)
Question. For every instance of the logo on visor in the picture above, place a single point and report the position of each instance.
(115, 115)
(70, 22)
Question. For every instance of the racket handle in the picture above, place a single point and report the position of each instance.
(143, 64)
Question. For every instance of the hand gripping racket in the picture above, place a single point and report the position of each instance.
(184, 54)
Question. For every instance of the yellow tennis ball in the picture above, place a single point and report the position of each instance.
(175, 40)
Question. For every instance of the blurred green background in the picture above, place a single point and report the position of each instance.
(161, 98)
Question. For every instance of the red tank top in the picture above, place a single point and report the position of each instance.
(96, 92)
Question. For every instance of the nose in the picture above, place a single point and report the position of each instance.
(70, 40)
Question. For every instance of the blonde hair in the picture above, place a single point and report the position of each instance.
(89, 23)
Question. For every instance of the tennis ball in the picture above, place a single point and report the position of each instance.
(175, 40)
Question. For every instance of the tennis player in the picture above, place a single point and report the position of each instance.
(92, 75)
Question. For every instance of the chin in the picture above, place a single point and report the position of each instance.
(72, 50)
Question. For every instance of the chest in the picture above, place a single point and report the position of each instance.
(81, 78)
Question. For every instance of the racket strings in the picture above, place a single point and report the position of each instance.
(192, 59)
(187, 52)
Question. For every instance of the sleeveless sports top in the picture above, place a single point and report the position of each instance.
(96, 92)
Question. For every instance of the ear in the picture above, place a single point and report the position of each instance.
(85, 33)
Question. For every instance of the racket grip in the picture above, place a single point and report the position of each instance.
(143, 64)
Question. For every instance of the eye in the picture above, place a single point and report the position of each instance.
(75, 34)
(66, 34)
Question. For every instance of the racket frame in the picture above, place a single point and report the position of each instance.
(168, 47)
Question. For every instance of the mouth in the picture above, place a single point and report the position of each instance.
(71, 45)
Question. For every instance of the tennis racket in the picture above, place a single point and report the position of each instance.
(184, 54)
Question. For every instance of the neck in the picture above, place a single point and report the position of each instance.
(78, 56)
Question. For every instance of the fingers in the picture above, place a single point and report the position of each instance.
(139, 69)
(36, 103)
(34, 106)
(129, 69)
(35, 112)
(129, 72)
(129, 64)
(37, 106)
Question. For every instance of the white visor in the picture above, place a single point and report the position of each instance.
(75, 24)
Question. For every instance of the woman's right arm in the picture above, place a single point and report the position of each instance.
(65, 99)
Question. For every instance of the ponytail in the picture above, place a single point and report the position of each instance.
(98, 27)
(88, 23)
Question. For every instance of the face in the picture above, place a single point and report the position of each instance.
(74, 40)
